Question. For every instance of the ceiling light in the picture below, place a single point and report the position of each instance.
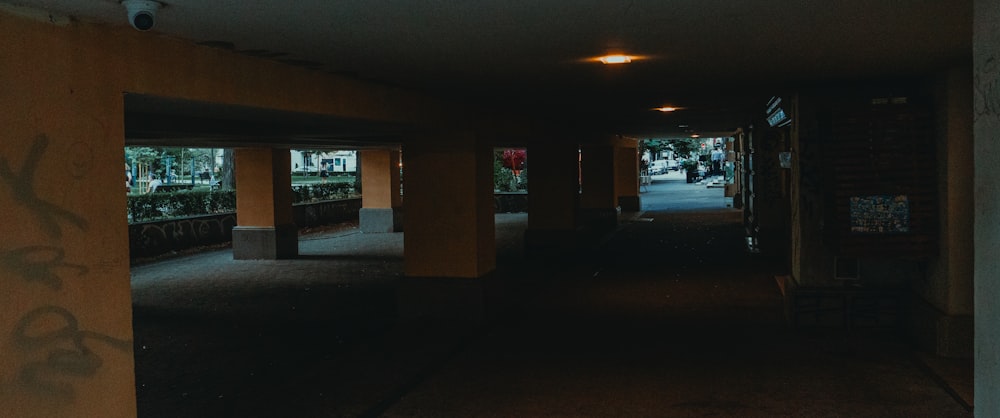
(665, 109)
(695, 136)
(615, 59)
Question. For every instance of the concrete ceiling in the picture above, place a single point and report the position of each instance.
(719, 59)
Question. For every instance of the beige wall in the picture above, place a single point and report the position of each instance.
(63, 198)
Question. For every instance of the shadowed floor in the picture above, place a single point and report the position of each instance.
(667, 317)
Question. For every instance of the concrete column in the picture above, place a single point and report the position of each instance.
(381, 203)
(449, 247)
(553, 197)
(65, 301)
(265, 225)
(986, 43)
(598, 198)
(627, 174)
(449, 207)
(942, 321)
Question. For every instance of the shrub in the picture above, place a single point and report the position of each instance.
(318, 192)
(185, 203)
(180, 204)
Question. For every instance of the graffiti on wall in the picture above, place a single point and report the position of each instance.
(55, 349)
(150, 239)
(40, 263)
(66, 349)
(22, 187)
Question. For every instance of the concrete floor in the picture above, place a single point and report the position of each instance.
(667, 317)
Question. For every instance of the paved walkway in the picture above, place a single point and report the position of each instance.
(668, 317)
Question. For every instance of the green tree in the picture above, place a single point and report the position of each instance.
(655, 147)
(141, 155)
(227, 173)
(684, 147)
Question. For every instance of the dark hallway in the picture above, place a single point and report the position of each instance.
(668, 316)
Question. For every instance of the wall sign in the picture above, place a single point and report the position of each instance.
(880, 214)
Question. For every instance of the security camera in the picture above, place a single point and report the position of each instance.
(141, 13)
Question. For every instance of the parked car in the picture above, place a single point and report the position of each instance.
(673, 165)
(658, 167)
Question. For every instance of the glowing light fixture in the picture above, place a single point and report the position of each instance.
(666, 109)
(615, 59)
(695, 136)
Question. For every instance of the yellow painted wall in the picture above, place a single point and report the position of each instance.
(263, 195)
(65, 307)
(380, 178)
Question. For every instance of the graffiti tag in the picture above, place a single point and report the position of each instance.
(23, 186)
(66, 349)
(39, 264)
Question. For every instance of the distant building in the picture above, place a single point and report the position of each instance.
(336, 161)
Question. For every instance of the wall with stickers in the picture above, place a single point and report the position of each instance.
(65, 307)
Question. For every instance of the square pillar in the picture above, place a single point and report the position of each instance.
(627, 174)
(941, 317)
(449, 208)
(65, 297)
(381, 203)
(265, 226)
(598, 198)
(553, 197)
(986, 131)
(449, 246)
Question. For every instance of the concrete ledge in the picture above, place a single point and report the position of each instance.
(380, 220)
(265, 243)
(450, 300)
(510, 202)
(153, 238)
(630, 203)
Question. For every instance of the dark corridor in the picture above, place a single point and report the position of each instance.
(667, 316)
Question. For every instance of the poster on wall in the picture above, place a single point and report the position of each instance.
(880, 214)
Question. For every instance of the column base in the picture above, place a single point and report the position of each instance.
(598, 218)
(540, 244)
(452, 300)
(380, 220)
(630, 203)
(265, 243)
